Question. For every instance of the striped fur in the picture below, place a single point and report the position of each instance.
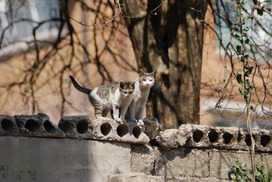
(115, 97)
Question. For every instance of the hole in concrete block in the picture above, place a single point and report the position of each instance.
(122, 130)
(7, 124)
(105, 128)
(197, 135)
(227, 137)
(213, 136)
(32, 125)
(66, 127)
(265, 139)
(136, 131)
(82, 127)
(239, 138)
(248, 139)
(48, 126)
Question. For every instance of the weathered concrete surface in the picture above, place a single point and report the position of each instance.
(152, 127)
(80, 149)
(26, 159)
(77, 127)
(134, 177)
(37, 126)
(181, 162)
(140, 177)
(8, 125)
(214, 137)
(222, 160)
(191, 163)
(109, 130)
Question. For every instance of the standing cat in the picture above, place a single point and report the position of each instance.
(140, 95)
(115, 97)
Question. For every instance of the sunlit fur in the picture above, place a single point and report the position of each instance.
(115, 97)
(140, 95)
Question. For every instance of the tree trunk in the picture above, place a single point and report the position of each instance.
(169, 40)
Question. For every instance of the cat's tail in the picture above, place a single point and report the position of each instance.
(78, 87)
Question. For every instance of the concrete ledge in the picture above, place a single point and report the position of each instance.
(74, 127)
(37, 126)
(80, 149)
(110, 130)
(8, 125)
(214, 137)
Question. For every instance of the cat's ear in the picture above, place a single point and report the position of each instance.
(153, 73)
(132, 84)
(122, 84)
(141, 71)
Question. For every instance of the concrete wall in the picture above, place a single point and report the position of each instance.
(78, 149)
(27, 159)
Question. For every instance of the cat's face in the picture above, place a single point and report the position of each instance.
(127, 88)
(147, 79)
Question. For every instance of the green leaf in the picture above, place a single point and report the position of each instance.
(232, 176)
(247, 41)
(237, 36)
(246, 56)
(246, 29)
(249, 71)
(245, 19)
(250, 88)
(239, 49)
(244, 92)
(239, 79)
(243, 59)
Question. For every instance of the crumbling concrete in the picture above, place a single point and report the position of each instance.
(214, 137)
(37, 126)
(152, 127)
(189, 164)
(75, 127)
(8, 125)
(79, 149)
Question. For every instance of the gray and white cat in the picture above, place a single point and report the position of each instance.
(140, 95)
(115, 97)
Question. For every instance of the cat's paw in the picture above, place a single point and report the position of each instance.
(100, 117)
(119, 120)
(140, 123)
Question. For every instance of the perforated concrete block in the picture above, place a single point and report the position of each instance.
(8, 125)
(110, 130)
(263, 140)
(76, 126)
(214, 137)
(37, 125)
